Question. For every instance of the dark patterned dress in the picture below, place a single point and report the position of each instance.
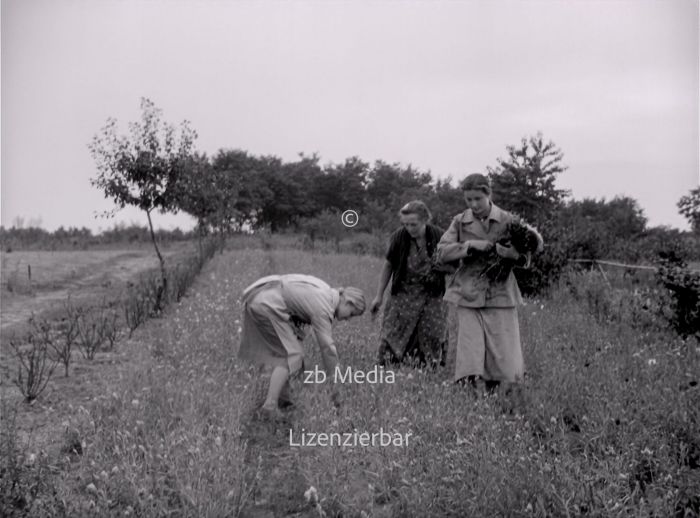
(414, 324)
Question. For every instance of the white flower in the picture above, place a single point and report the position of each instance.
(311, 495)
(651, 361)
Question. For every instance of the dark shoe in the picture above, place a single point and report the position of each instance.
(492, 386)
(286, 404)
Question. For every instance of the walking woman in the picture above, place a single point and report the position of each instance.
(484, 335)
(414, 317)
(276, 308)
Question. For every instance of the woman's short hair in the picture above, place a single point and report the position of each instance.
(416, 207)
(355, 297)
(476, 182)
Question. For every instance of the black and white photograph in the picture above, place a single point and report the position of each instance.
(350, 259)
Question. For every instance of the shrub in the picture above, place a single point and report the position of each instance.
(683, 286)
(66, 335)
(136, 308)
(110, 326)
(35, 367)
(547, 267)
(91, 331)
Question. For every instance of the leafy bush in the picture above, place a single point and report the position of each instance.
(546, 267)
(683, 287)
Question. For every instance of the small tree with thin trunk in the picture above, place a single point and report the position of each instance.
(142, 169)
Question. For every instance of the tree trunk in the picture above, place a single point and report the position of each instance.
(164, 280)
(200, 237)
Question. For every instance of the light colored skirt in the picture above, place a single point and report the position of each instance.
(485, 342)
(268, 336)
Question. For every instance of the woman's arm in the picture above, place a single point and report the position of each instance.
(449, 248)
(324, 337)
(329, 355)
(383, 282)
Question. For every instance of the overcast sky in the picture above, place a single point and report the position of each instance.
(444, 86)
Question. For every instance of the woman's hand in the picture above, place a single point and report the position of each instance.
(481, 245)
(375, 305)
(507, 252)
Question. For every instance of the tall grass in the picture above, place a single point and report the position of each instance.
(606, 423)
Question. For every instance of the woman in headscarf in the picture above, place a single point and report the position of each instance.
(276, 309)
(414, 317)
(484, 332)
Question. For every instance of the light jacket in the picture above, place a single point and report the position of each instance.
(466, 287)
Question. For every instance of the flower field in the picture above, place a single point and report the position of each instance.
(607, 422)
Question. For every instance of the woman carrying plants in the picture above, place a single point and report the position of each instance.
(276, 309)
(414, 316)
(488, 242)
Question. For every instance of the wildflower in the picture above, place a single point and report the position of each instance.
(91, 488)
(651, 361)
(134, 402)
(311, 495)
(647, 451)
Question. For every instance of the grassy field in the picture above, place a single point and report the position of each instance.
(57, 274)
(607, 422)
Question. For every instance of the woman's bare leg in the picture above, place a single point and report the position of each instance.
(278, 378)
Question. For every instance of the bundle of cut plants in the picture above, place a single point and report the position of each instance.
(517, 234)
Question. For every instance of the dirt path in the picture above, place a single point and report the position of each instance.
(90, 276)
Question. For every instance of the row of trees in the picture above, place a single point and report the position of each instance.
(157, 169)
(74, 238)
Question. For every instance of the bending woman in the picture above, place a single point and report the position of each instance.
(275, 310)
(414, 316)
(486, 334)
